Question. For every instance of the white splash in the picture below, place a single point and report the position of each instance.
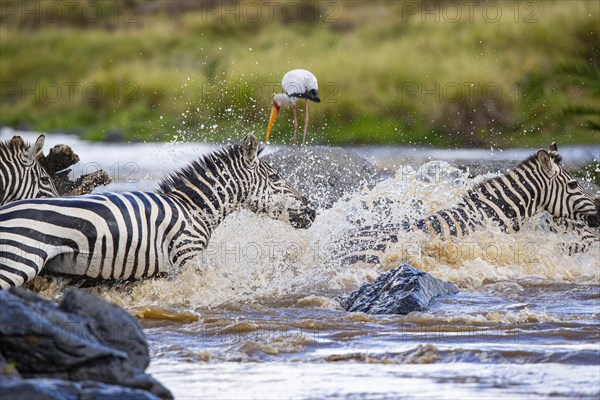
(252, 258)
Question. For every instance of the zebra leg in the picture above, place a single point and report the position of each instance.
(584, 236)
(22, 258)
(20, 263)
(368, 245)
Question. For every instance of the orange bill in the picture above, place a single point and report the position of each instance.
(274, 112)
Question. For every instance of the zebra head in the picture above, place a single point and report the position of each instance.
(22, 176)
(271, 194)
(564, 196)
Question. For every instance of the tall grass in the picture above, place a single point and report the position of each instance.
(386, 76)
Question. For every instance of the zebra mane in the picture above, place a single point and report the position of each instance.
(15, 144)
(531, 159)
(208, 163)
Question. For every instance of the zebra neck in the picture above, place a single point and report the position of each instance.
(507, 200)
(211, 199)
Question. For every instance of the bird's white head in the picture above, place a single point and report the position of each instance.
(280, 100)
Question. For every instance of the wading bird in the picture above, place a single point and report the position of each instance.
(297, 83)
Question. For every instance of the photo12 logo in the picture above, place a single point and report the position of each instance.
(34, 13)
(470, 11)
(72, 92)
(270, 11)
(454, 92)
(470, 250)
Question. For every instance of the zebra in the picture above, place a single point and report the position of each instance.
(539, 183)
(584, 235)
(21, 174)
(132, 235)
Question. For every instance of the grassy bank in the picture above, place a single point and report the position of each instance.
(389, 72)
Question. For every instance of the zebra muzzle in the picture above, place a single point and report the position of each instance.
(303, 219)
(594, 220)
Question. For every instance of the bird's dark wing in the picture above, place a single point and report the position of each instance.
(301, 83)
(308, 95)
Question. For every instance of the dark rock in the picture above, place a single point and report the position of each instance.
(61, 157)
(7, 370)
(40, 338)
(83, 185)
(398, 291)
(56, 389)
(114, 327)
(323, 174)
(39, 389)
(85, 338)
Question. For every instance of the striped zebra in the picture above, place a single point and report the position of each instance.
(21, 175)
(130, 235)
(539, 183)
(584, 235)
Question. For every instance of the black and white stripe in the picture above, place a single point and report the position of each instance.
(118, 236)
(540, 183)
(583, 236)
(21, 175)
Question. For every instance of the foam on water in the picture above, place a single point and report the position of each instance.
(254, 259)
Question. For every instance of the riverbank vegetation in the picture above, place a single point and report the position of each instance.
(390, 72)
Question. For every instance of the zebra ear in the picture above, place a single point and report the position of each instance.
(36, 150)
(553, 148)
(545, 161)
(251, 149)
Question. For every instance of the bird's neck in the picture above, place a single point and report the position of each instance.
(284, 100)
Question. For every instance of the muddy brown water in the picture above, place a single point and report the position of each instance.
(256, 316)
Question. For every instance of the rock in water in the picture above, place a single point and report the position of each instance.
(56, 389)
(83, 185)
(113, 326)
(323, 174)
(61, 157)
(398, 291)
(83, 339)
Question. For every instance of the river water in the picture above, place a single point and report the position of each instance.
(256, 316)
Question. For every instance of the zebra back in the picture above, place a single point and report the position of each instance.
(21, 174)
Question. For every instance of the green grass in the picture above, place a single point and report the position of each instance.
(180, 73)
